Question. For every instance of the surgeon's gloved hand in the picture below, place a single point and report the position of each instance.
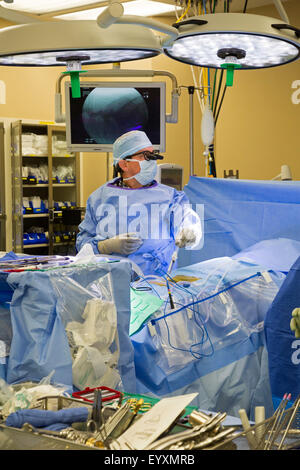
(295, 322)
(124, 244)
(185, 237)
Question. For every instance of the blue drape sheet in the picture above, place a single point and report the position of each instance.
(39, 343)
(240, 213)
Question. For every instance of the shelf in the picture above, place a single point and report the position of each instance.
(55, 185)
(36, 245)
(46, 156)
(35, 185)
(53, 153)
(63, 156)
(35, 156)
(30, 216)
(64, 243)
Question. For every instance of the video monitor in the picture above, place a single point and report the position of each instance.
(107, 110)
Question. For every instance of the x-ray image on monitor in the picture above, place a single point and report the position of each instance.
(106, 111)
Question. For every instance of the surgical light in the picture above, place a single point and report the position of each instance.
(43, 43)
(244, 40)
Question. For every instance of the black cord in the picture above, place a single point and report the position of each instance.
(224, 91)
(219, 89)
(245, 6)
(211, 161)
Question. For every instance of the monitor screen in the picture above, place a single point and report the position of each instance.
(107, 110)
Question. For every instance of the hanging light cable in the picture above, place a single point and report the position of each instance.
(185, 12)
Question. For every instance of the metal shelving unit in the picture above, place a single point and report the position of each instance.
(50, 191)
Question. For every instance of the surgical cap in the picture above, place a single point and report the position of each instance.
(129, 143)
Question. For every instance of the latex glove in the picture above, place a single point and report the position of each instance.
(295, 322)
(185, 237)
(125, 244)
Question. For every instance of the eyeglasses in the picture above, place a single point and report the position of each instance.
(147, 155)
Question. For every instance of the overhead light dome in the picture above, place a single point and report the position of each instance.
(41, 44)
(251, 41)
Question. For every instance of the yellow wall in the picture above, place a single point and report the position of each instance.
(259, 127)
(257, 131)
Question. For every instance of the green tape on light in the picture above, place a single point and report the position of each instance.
(230, 72)
(75, 82)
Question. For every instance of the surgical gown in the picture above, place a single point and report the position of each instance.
(155, 213)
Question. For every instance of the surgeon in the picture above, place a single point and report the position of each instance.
(133, 215)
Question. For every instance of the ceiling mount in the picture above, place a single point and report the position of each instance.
(231, 52)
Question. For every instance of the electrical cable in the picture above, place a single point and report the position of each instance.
(176, 12)
(205, 335)
(219, 89)
(217, 115)
(214, 89)
(208, 86)
(201, 103)
(207, 298)
(245, 6)
(185, 12)
(143, 279)
(211, 161)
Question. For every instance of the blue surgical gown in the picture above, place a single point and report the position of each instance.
(155, 213)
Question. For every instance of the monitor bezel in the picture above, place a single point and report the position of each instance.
(74, 147)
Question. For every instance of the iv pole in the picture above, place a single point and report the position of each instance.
(191, 90)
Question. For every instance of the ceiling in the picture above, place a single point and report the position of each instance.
(89, 9)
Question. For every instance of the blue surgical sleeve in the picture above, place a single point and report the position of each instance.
(184, 215)
(87, 230)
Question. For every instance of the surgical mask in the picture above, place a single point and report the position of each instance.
(147, 173)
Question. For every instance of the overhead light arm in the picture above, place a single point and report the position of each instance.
(18, 16)
(281, 11)
(116, 73)
(114, 13)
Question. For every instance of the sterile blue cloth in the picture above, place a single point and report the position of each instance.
(277, 254)
(45, 418)
(216, 347)
(40, 344)
(6, 291)
(156, 213)
(5, 338)
(283, 347)
(240, 213)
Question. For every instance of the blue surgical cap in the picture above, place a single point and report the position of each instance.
(129, 143)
